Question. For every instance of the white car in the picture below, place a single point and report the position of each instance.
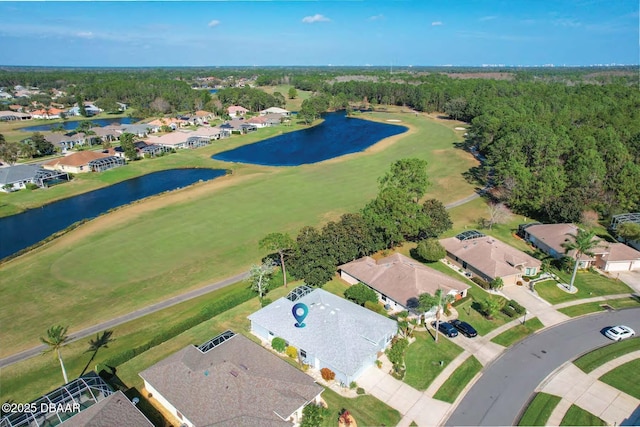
(620, 332)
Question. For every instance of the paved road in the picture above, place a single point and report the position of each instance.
(506, 385)
(18, 357)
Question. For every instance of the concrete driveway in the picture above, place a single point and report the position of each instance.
(631, 278)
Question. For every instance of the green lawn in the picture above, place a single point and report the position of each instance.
(469, 311)
(451, 388)
(589, 285)
(182, 246)
(576, 416)
(423, 359)
(593, 307)
(366, 410)
(27, 380)
(599, 357)
(539, 410)
(625, 378)
(517, 333)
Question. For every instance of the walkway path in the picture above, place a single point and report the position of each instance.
(535, 305)
(594, 299)
(18, 357)
(590, 394)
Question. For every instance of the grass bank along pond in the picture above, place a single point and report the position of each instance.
(336, 136)
(28, 228)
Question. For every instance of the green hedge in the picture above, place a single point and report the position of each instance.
(509, 311)
(480, 282)
(216, 307)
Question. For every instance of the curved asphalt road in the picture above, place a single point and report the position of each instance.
(507, 384)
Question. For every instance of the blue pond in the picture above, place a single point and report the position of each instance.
(27, 228)
(336, 136)
(71, 125)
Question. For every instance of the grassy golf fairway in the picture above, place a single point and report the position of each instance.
(166, 245)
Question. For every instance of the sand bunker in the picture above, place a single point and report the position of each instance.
(393, 120)
(460, 128)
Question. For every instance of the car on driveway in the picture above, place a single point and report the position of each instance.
(466, 329)
(447, 329)
(620, 332)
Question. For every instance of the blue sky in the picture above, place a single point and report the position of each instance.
(367, 32)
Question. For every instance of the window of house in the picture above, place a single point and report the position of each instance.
(303, 354)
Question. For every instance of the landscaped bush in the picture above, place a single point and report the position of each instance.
(31, 186)
(509, 311)
(278, 344)
(292, 352)
(478, 281)
(517, 307)
(327, 374)
(359, 390)
(353, 385)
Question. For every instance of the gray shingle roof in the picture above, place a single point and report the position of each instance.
(17, 173)
(236, 383)
(115, 410)
(337, 331)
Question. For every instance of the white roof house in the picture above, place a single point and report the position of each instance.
(338, 334)
(275, 110)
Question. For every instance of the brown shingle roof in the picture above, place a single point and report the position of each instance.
(236, 383)
(76, 159)
(554, 235)
(401, 278)
(115, 410)
(621, 252)
(489, 255)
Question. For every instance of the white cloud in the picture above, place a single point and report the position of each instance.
(214, 23)
(85, 34)
(315, 18)
(376, 17)
(487, 18)
(436, 23)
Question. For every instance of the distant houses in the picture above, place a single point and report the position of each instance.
(230, 381)
(236, 111)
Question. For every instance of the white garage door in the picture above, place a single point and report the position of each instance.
(618, 266)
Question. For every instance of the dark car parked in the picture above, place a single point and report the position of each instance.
(447, 329)
(465, 328)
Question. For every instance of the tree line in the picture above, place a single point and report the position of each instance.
(397, 214)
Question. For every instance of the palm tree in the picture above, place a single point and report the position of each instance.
(439, 300)
(56, 339)
(95, 345)
(583, 242)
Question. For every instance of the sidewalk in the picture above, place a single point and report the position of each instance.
(535, 305)
(590, 394)
(594, 299)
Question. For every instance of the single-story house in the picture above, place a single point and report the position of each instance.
(399, 280)
(114, 410)
(338, 334)
(211, 133)
(618, 257)
(550, 237)
(89, 108)
(106, 163)
(276, 119)
(237, 111)
(90, 402)
(70, 140)
(49, 113)
(75, 162)
(173, 123)
(170, 140)
(17, 177)
(490, 258)
(259, 121)
(230, 381)
(140, 130)
(276, 110)
(13, 115)
(107, 133)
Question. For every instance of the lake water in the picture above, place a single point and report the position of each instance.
(71, 125)
(20, 231)
(336, 136)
